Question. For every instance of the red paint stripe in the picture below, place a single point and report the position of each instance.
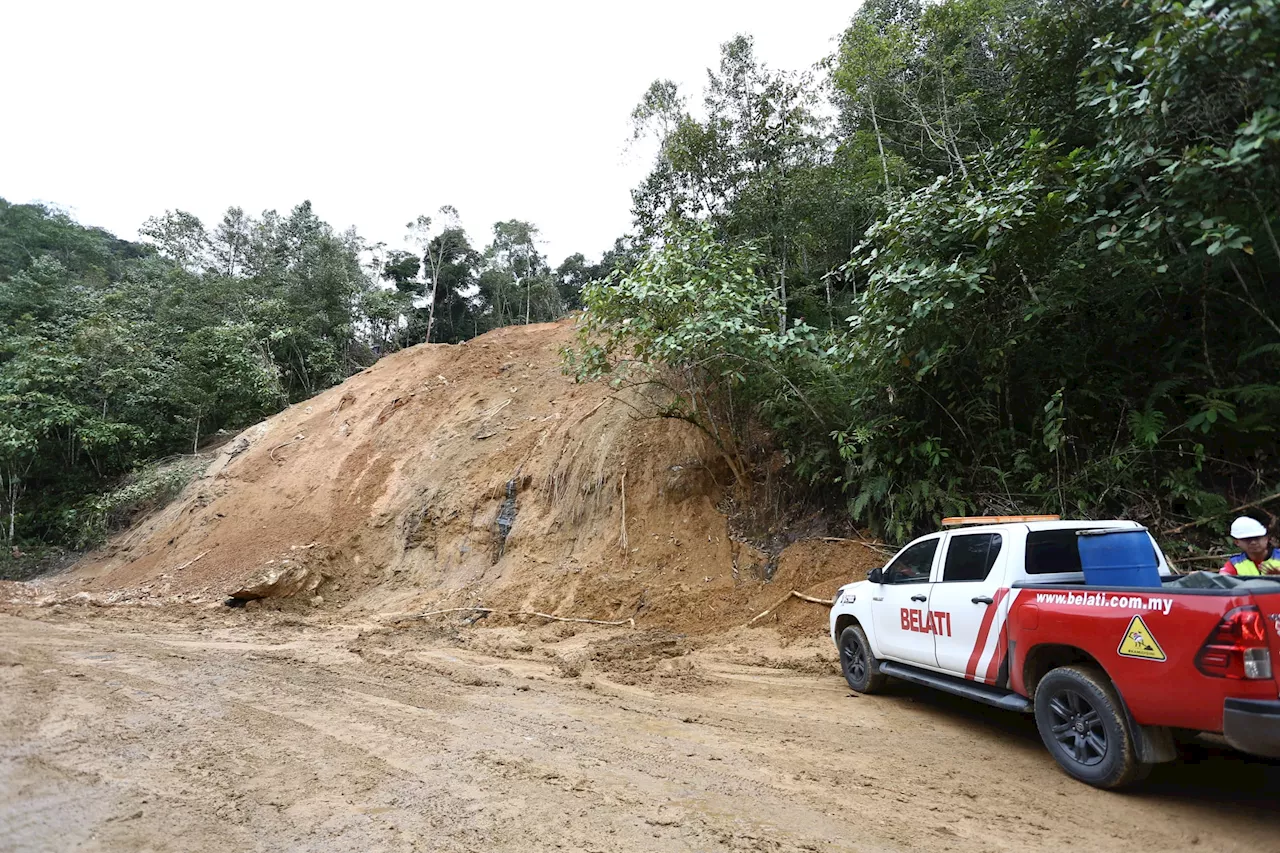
(1002, 645)
(997, 658)
(971, 671)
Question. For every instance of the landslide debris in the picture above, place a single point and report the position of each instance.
(472, 474)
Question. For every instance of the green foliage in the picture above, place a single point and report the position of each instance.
(217, 372)
(693, 302)
(695, 316)
(143, 492)
(1060, 279)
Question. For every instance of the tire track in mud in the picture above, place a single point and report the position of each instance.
(506, 726)
(373, 724)
(232, 739)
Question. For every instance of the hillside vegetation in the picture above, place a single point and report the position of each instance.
(992, 256)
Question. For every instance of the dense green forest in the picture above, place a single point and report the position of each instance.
(988, 256)
(116, 354)
(992, 255)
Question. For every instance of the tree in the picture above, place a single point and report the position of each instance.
(573, 274)
(457, 272)
(114, 353)
(180, 237)
(433, 254)
(515, 265)
(745, 168)
(1042, 240)
(695, 318)
(18, 450)
(217, 377)
(402, 270)
(230, 242)
(384, 312)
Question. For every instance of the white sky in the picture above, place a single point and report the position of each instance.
(375, 111)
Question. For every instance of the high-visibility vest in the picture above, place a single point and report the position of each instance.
(1241, 565)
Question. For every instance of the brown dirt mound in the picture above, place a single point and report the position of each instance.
(473, 474)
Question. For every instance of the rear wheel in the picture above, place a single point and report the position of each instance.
(1083, 725)
(860, 667)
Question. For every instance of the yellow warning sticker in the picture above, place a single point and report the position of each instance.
(1138, 642)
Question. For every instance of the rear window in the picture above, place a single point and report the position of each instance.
(1050, 552)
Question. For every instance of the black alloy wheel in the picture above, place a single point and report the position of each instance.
(1078, 727)
(1083, 724)
(860, 667)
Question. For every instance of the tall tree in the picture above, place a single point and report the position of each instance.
(518, 267)
(436, 250)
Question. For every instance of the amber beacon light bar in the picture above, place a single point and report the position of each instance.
(996, 519)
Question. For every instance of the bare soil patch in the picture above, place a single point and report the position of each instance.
(125, 729)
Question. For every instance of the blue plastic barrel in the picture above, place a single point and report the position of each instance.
(1118, 558)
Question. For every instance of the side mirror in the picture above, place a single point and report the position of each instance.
(876, 576)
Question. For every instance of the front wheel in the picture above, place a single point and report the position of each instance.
(1083, 725)
(860, 667)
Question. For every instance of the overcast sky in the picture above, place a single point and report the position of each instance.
(375, 111)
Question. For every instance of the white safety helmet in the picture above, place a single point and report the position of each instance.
(1245, 527)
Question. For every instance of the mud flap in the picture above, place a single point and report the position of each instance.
(1154, 744)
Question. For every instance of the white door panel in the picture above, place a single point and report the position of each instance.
(903, 624)
(967, 598)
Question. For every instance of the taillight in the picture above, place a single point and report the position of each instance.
(1237, 647)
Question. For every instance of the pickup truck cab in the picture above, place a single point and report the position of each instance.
(1000, 613)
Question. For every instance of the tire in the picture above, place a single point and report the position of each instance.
(1083, 725)
(860, 667)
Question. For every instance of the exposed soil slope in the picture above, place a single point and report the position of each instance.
(476, 473)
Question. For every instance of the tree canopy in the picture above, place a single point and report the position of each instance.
(1022, 259)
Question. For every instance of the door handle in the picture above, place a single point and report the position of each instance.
(877, 598)
(981, 599)
(919, 598)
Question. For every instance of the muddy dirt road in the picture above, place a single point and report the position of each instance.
(215, 732)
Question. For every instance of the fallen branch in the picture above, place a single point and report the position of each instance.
(781, 601)
(490, 413)
(596, 409)
(189, 563)
(772, 607)
(631, 622)
(872, 545)
(272, 452)
(1206, 558)
(1200, 521)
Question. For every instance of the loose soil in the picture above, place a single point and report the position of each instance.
(123, 729)
(474, 474)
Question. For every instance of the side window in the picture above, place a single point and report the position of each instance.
(971, 556)
(1052, 551)
(912, 565)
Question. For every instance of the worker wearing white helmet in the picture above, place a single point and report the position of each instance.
(1257, 557)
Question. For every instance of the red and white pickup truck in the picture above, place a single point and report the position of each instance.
(1000, 613)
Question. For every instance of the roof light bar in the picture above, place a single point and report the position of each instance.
(996, 519)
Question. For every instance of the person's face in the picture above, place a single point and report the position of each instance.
(1257, 548)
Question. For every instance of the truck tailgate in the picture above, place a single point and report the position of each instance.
(1147, 641)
